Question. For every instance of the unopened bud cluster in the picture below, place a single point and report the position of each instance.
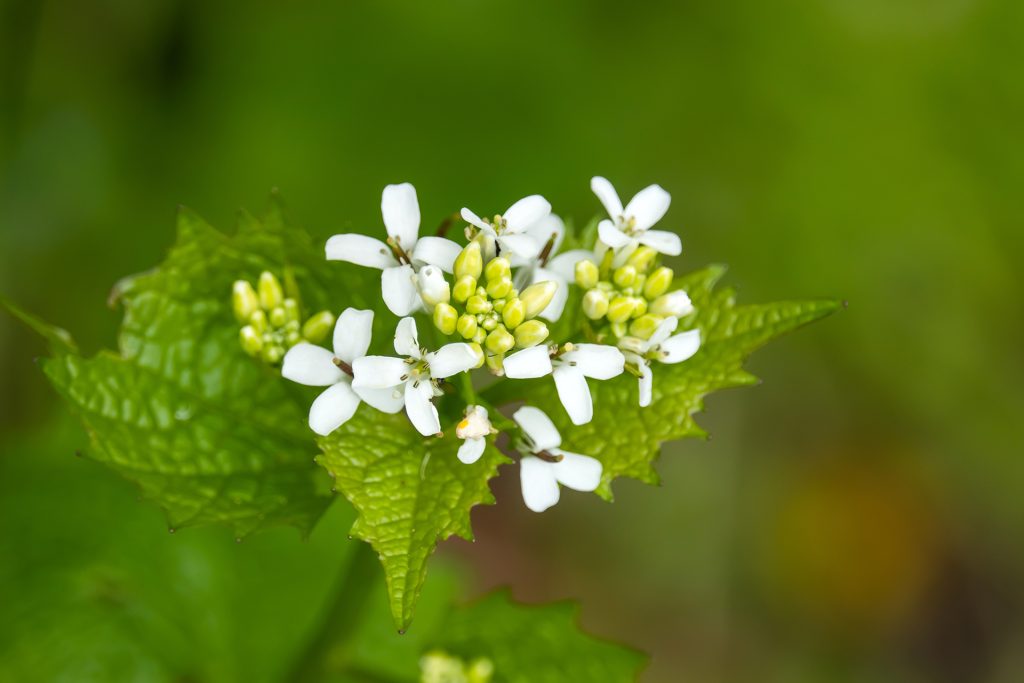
(271, 322)
(632, 298)
(440, 667)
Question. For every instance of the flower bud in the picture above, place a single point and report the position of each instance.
(675, 303)
(272, 354)
(513, 313)
(318, 327)
(478, 350)
(271, 294)
(478, 304)
(464, 288)
(587, 274)
(469, 262)
(495, 363)
(642, 258)
(624, 276)
(445, 318)
(641, 306)
(498, 269)
(498, 289)
(531, 333)
(433, 287)
(466, 325)
(480, 337)
(621, 308)
(537, 296)
(291, 310)
(489, 323)
(258, 320)
(278, 317)
(658, 282)
(619, 329)
(292, 338)
(595, 304)
(244, 300)
(499, 341)
(250, 340)
(645, 325)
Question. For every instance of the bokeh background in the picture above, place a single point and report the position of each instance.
(858, 517)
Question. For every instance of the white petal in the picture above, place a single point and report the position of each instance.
(401, 211)
(352, 334)
(360, 250)
(526, 212)
(419, 408)
(378, 372)
(528, 363)
(574, 394)
(398, 289)
(437, 251)
(578, 472)
(540, 489)
(612, 236)
(648, 206)
(311, 365)
(387, 400)
(432, 286)
(675, 303)
(596, 360)
(553, 311)
(451, 359)
(523, 246)
(623, 253)
(608, 196)
(680, 347)
(664, 330)
(471, 450)
(646, 384)
(332, 408)
(538, 427)
(407, 339)
(565, 264)
(473, 219)
(662, 241)
(546, 228)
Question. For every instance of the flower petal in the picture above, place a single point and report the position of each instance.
(378, 372)
(574, 393)
(524, 213)
(419, 408)
(407, 339)
(352, 334)
(528, 363)
(522, 246)
(578, 472)
(387, 399)
(648, 206)
(473, 219)
(646, 384)
(662, 241)
(332, 408)
(544, 229)
(360, 250)
(596, 360)
(437, 251)
(565, 264)
(538, 427)
(471, 450)
(680, 347)
(401, 211)
(612, 236)
(398, 289)
(311, 365)
(537, 479)
(553, 311)
(451, 359)
(664, 330)
(608, 196)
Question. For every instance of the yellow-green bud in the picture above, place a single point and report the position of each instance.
(478, 350)
(645, 325)
(272, 354)
(513, 313)
(278, 317)
(499, 289)
(318, 327)
(489, 323)
(531, 333)
(495, 362)
(595, 304)
(469, 262)
(445, 318)
(642, 258)
(291, 310)
(251, 341)
(480, 337)
(464, 288)
(498, 269)
(641, 306)
(675, 303)
(271, 294)
(480, 670)
(466, 325)
(537, 296)
(244, 300)
(624, 276)
(293, 338)
(478, 304)
(499, 341)
(587, 274)
(619, 329)
(658, 282)
(258, 320)
(620, 309)
(499, 305)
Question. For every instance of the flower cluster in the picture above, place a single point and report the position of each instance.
(491, 304)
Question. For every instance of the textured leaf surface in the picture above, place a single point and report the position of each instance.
(410, 492)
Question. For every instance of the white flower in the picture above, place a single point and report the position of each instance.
(473, 429)
(663, 347)
(538, 475)
(630, 227)
(570, 371)
(512, 230)
(410, 380)
(561, 269)
(316, 366)
(400, 260)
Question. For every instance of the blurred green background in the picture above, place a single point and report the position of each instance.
(856, 518)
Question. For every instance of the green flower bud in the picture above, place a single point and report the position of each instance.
(619, 329)
(641, 306)
(469, 262)
(293, 326)
(271, 294)
(495, 363)
(642, 258)
(620, 309)
(478, 350)
(445, 318)
(244, 300)
(480, 337)
(499, 305)
(489, 323)
(480, 670)
(291, 310)
(258, 320)
(498, 269)
(318, 327)
(272, 354)
(513, 313)
(466, 325)
(658, 282)
(465, 287)
(531, 333)
(499, 341)
(499, 289)
(293, 338)
(595, 304)
(624, 276)
(478, 304)
(587, 274)
(278, 317)
(250, 340)
(645, 325)
(537, 296)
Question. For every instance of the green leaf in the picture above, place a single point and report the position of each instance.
(410, 492)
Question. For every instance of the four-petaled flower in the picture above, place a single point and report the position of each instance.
(513, 230)
(664, 347)
(544, 465)
(539, 267)
(570, 369)
(411, 379)
(629, 227)
(316, 366)
(473, 430)
(403, 255)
